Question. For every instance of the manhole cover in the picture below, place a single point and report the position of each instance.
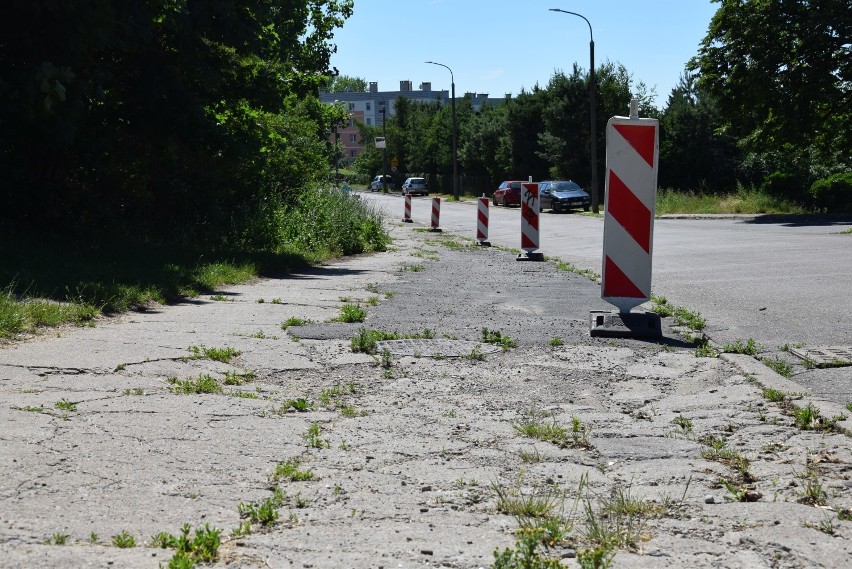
(428, 348)
(827, 356)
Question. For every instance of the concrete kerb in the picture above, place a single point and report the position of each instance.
(768, 379)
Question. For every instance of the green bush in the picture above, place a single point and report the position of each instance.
(834, 193)
(785, 185)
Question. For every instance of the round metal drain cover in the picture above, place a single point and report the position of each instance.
(433, 347)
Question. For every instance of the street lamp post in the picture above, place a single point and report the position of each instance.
(592, 106)
(455, 132)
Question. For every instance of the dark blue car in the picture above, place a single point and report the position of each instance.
(562, 195)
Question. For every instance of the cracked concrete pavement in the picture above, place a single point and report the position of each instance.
(407, 459)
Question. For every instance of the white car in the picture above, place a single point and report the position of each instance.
(376, 184)
(415, 186)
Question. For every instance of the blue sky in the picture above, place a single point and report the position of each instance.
(500, 46)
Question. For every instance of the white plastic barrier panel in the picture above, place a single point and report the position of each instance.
(482, 219)
(632, 156)
(530, 210)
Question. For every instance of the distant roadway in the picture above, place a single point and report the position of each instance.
(783, 281)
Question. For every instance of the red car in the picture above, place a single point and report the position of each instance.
(509, 193)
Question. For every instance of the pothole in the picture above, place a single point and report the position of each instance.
(825, 356)
(434, 347)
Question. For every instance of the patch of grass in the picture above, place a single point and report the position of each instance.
(690, 319)
(568, 267)
(812, 491)
(779, 366)
(537, 504)
(224, 355)
(809, 418)
(703, 347)
(535, 425)
(351, 313)
(294, 321)
(29, 408)
(65, 405)
(24, 315)
(289, 471)
(412, 268)
(365, 340)
(277, 301)
(475, 354)
(124, 540)
(244, 394)
(235, 378)
(204, 383)
(373, 301)
(495, 337)
(749, 348)
(57, 539)
(744, 200)
(774, 395)
(221, 298)
(556, 341)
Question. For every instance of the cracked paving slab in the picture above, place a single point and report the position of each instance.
(406, 456)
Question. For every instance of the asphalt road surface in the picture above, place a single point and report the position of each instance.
(779, 281)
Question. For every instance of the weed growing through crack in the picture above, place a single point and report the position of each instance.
(264, 513)
(774, 395)
(749, 348)
(690, 319)
(224, 355)
(204, 383)
(568, 267)
(812, 490)
(535, 425)
(93, 537)
(135, 391)
(235, 378)
(475, 354)
(386, 359)
(124, 540)
(540, 503)
(556, 341)
(312, 437)
(57, 539)
(299, 404)
(289, 471)
(530, 457)
(495, 337)
(221, 298)
(684, 423)
(294, 321)
(779, 366)
(412, 268)
(65, 405)
(203, 547)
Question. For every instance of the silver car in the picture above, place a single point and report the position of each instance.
(415, 186)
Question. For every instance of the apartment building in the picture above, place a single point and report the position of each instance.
(372, 107)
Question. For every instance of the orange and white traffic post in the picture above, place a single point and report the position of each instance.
(632, 158)
(482, 222)
(530, 213)
(406, 216)
(436, 215)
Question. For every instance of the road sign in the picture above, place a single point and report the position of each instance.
(632, 154)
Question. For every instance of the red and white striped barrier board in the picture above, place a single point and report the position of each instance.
(436, 214)
(406, 217)
(482, 219)
(632, 155)
(530, 209)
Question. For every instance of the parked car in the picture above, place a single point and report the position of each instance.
(415, 186)
(562, 195)
(507, 193)
(376, 184)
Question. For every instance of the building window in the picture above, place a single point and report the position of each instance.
(369, 106)
(369, 121)
(353, 138)
(351, 154)
(351, 106)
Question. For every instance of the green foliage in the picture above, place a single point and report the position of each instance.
(204, 383)
(289, 471)
(495, 337)
(352, 313)
(124, 540)
(170, 119)
(834, 193)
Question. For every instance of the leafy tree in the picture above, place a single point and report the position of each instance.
(781, 71)
(345, 83)
(161, 117)
(694, 154)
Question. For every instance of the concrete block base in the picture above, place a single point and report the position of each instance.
(530, 256)
(614, 324)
